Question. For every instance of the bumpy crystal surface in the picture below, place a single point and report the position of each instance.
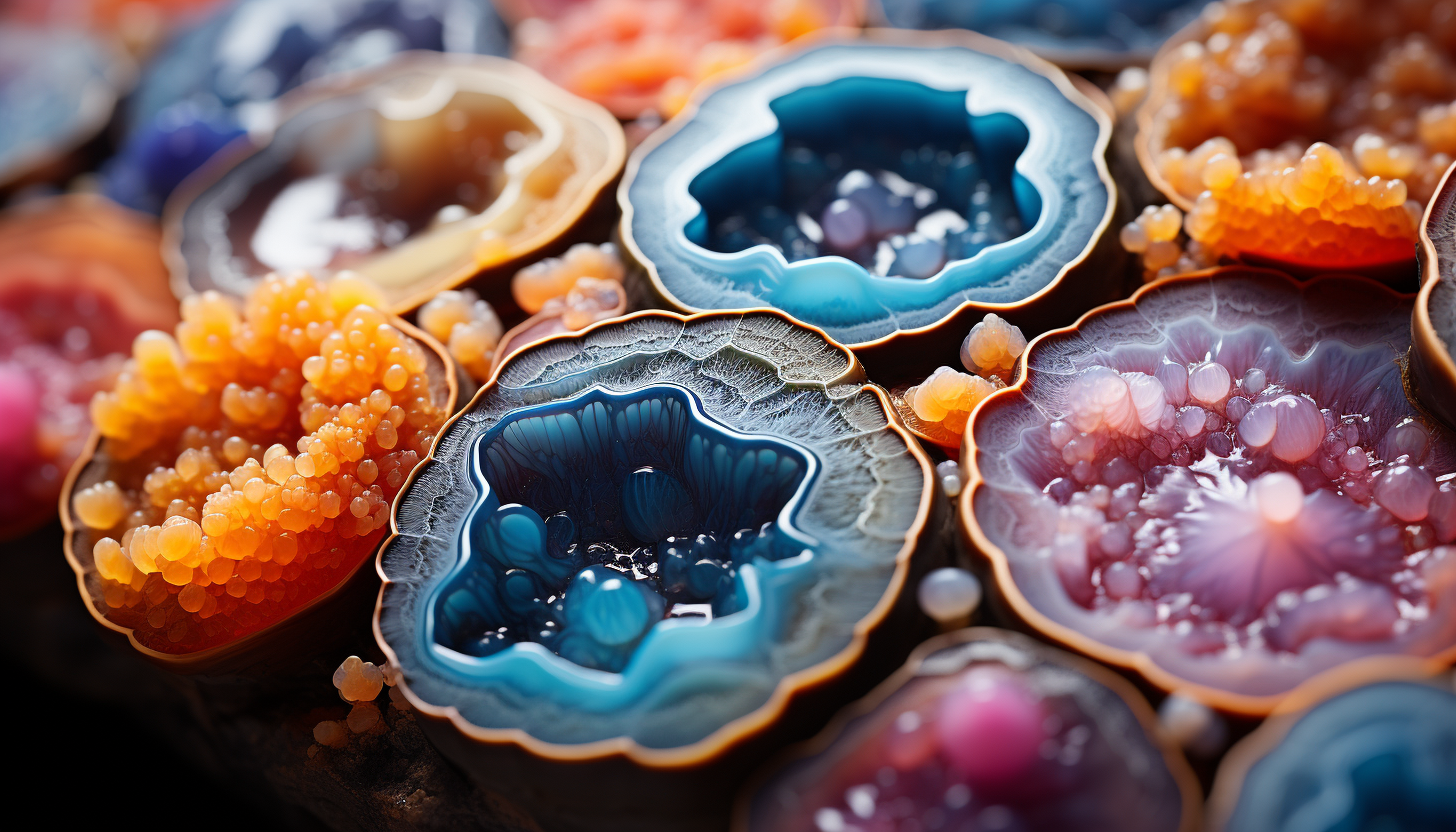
(604, 514)
(896, 212)
(249, 463)
(1234, 483)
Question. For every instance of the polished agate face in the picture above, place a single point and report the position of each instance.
(1227, 477)
(641, 532)
(993, 733)
(602, 516)
(870, 188)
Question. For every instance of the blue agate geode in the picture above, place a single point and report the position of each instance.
(1080, 33)
(641, 532)
(873, 187)
(1377, 758)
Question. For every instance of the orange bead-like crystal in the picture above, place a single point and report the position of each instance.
(253, 457)
(1363, 87)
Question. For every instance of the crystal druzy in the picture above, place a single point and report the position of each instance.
(1305, 133)
(640, 531)
(1099, 33)
(213, 80)
(417, 174)
(1379, 757)
(820, 184)
(247, 466)
(1225, 476)
(990, 731)
(650, 510)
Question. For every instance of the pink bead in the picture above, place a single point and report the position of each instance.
(1301, 428)
(19, 411)
(1406, 492)
(991, 727)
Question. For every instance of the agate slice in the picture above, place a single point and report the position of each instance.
(225, 73)
(79, 278)
(418, 175)
(645, 58)
(878, 188)
(1084, 35)
(1221, 484)
(1305, 134)
(985, 730)
(1433, 327)
(57, 90)
(241, 474)
(636, 546)
(1377, 757)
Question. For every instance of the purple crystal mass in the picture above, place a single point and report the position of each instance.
(902, 214)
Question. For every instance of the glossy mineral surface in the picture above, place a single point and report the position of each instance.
(78, 280)
(247, 465)
(637, 57)
(1077, 34)
(989, 734)
(804, 186)
(650, 511)
(1228, 478)
(1264, 78)
(1374, 758)
(534, 585)
(417, 174)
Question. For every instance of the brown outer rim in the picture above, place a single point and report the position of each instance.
(891, 37)
(761, 717)
(528, 81)
(1226, 701)
(1427, 349)
(1229, 781)
(1177, 764)
(204, 660)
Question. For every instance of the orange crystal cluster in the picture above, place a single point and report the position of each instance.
(253, 458)
(1314, 210)
(637, 56)
(1245, 106)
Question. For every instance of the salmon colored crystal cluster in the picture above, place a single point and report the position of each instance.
(252, 459)
(1242, 107)
(635, 57)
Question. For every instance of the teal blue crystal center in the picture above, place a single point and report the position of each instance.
(616, 533)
